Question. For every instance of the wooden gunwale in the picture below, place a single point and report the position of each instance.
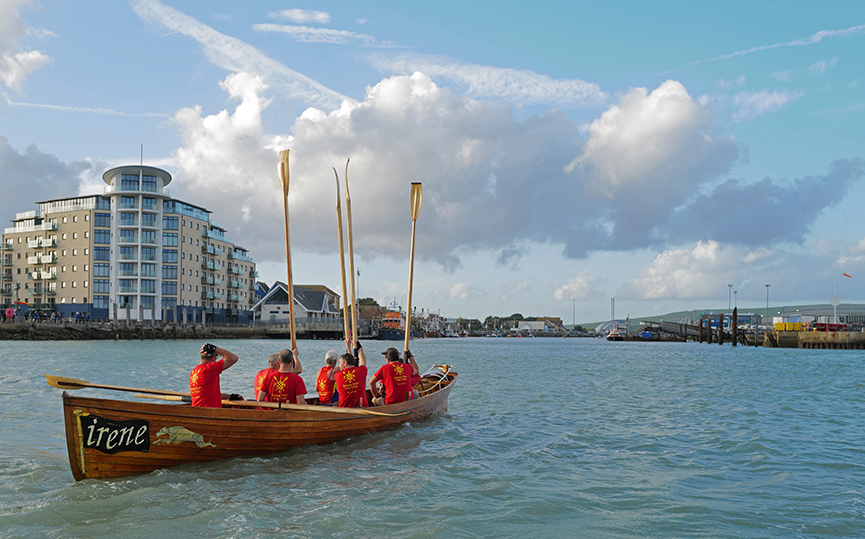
(232, 431)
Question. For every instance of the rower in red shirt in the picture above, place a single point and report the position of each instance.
(324, 384)
(283, 385)
(396, 378)
(204, 378)
(350, 377)
(273, 363)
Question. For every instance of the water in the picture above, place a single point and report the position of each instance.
(543, 438)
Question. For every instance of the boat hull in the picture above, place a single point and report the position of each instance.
(388, 334)
(111, 438)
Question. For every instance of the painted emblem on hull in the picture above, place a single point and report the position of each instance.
(178, 435)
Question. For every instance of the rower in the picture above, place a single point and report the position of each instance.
(273, 366)
(284, 385)
(204, 378)
(395, 376)
(350, 378)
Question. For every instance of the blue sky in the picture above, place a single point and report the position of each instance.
(569, 152)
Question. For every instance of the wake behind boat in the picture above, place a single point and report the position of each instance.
(112, 438)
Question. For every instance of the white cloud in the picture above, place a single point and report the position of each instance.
(301, 16)
(17, 64)
(465, 291)
(515, 288)
(734, 83)
(690, 274)
(783, 76)
(236, 56)
(90, 110)
(754, 104)
(820, 67)
(813, 39)
(518, 86)
(582, 287)
(305, 34)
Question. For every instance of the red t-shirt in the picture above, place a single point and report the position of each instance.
(324, 385)
(283, 387)
(396, 378)
(259, 379)
(204, 384)
(351, 385)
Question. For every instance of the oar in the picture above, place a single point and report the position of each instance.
(72, 383)
(341, 258)
(354, 309)
(416, 200)
(282, 170)
(283, 406)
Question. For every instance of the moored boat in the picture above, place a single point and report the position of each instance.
(392, 327)
(111, 438)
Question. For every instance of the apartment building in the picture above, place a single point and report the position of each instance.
(132, 252)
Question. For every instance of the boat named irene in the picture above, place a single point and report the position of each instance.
(111, 438)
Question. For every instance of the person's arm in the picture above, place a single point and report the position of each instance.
(361, 355)
(332, 374)
(300, 399)
(229, 358)
(261, 396)
(297, 368)
(348, 346)
(416, 370)
(373, 386)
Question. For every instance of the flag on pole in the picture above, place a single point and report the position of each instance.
(23, 303)
(845, 275)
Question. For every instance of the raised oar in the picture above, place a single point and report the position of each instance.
(282, 170)
(345, 321)
(354, 309)
(416, 200)
(283, 406)
(72, 383)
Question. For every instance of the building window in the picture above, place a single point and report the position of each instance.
(64, 220)
(128, 203)
(148, 219)
(127, 253)
(148, 302)
(63, 252)
(74, 218)
(148, 183)
(102, 219)
(169, 288)
(148, 236)
(74, 252)
(169, 272)
(169, 222)
(148, 286)
(62, 236)
(101, 253)
(101, 269)
(100, 302)
(74, 268)
(169, 256)
(148, 203)
(87, 234)
(127, 236)
(101, 236)
(63, 269)
(128, 182)
(100, 286)
(75, 235)
(169, 303)
(85, 267)
(73, 284)
(148, 253)
(128, 269)
(169, 239)
(86, 252)
(148, 270)
(87, 217)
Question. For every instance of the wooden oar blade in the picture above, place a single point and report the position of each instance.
(65, 383)
(416, 199)
(282, 170)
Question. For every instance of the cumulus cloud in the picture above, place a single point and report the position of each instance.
(17, 64)
(237, 56)
(515, 288)
(644, 156)
(305, 34)
(511, 255)
(688, 274)
(582, 287)
(301, 16)
(465, 291)
(33, 176)
(764, 212)
(753, 104)
(517, 86)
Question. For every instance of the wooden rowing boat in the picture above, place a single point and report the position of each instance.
(111, 438)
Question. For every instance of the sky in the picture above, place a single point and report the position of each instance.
(670, 155)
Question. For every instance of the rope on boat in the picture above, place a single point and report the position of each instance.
(442, 376)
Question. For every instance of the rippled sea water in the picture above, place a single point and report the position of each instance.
(543, 438)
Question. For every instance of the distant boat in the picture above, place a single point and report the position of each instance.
(614, 335)
(392, 327)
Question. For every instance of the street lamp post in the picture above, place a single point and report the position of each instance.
(767, 303)
(729, 297)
